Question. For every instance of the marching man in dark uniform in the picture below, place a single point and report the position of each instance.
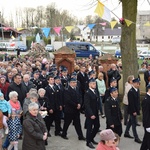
(72, 99)
(64, 77)
(91, 102)
(113, 112)
(133, 109)
(55, 105)
(146, 120)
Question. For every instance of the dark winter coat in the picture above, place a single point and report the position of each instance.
(34, 129)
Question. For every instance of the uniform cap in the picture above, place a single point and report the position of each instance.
(136, 80)
(91, 72)
(92, 80)
(112, 80)
(112, 89)
(57, 77)
(73, 80)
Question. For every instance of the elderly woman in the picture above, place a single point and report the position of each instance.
(35, 132)
(14, 103)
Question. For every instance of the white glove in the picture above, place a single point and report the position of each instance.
(148, 129)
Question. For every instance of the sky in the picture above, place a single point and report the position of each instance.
(78, 8)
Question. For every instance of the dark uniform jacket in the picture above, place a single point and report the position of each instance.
(43, 79)
(112, 112)
(51, 94)
(113, 73)
(64, 81)
(83, 81)
(134, 101)
(37, 83)
(72, 98)
(146, 111)
(34, 129)
(91, 102)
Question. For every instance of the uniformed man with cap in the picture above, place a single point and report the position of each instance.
(43, 77)
(64, 77)
(55, 105)
(113, 112)
(146, 120)
(113, 83)
(91, 102)
(133, 109)
(72, 99)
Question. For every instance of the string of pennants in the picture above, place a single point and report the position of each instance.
(102, 11)
(46, 31)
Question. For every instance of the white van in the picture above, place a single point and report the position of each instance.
(115, 40)
(144, 54)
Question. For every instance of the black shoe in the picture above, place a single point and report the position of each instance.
(58, 134)
(138, 141)
(49, 135)
(52, 125)
(138, 124)
(82, 138)
(90, 145)
(64, 137)
(94, 142)
(103, 116)
(128, 136)
(99, 130)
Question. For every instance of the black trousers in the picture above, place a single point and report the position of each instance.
(92, 126)
(56, 118)
(146, 141)
(76, 121)
(117, 129)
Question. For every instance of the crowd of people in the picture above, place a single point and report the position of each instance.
(35, 93)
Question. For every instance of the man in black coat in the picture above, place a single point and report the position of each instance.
(55, 105)
(113, 112)
(113, 72)
(146, 120)
(72, 107)
(64, 77)
(82, 77)
(133, 109)
(17, 86)
(91, 102)
(147, 76)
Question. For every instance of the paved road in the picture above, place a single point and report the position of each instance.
(57, 143)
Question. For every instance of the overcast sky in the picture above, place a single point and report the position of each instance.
(79, 8)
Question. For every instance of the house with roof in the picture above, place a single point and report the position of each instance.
(7, 32)
(105, 34)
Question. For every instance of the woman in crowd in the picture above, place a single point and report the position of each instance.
(35, 132)
(101, 89)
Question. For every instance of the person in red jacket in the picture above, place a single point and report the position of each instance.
(3, 85)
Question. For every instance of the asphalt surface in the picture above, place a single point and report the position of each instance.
(57, 143)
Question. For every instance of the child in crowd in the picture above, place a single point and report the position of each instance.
(107, 140)
(6, 110)
(15, 130)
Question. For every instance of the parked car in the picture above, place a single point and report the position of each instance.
(118, 53)
(3, 46)
(145, 54)
(83, 49)
(22, 48)
(49, 48)
(115, 40)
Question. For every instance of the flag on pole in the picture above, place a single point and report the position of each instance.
(103, 11)
(112, 24)
(128, 22)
